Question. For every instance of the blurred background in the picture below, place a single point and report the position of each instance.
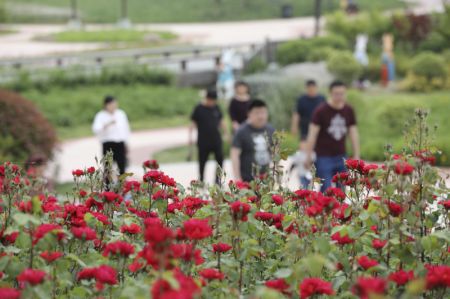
(59, 58)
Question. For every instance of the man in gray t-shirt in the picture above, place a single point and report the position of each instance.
(251, 143)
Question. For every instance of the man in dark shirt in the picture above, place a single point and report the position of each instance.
(239, 104)
(331, 123)
(251, 144)
(301, 117)
(207, 117)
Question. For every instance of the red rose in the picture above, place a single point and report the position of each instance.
(340, 212)
(187, 289)
(340, 177)
(240, 210)
(425, 156)
(403, 168)
(313, 286)
(152, 164)
(84, 233)
(394, 208)
(131, 229)
(119, 248)
(353, 164)
(335, 192)
(106, 274)
(211, 274)
(191, 205)
(401, 277)
(156, 233)
(341, 240)
(445, 204)
(111, 196)
(86, 274)
(44, 229)
(51, 256)
(131, 186)
(90, 170)
(82, 193)
(369, 167)
(263, 216)
(221, 247)
(9, 293)
(277, 199)
(280, 285)
(31, 276)
(366, 286)
(197, 229)
(378, 244)
(366, 263)
(77, 172)
(438, 276)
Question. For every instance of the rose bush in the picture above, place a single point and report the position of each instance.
(385, 235)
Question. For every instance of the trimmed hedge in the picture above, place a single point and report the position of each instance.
(23, 129)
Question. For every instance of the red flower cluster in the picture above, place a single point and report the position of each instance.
(366, 263)
(277, 199)
(187, 288)
(197, 229)
(31, 276)
(157, 234)
(118, 248)
(51, 256)
(403, 168)
(280, 285)
(46, 228)
(77, 172)
(84, 233)
(221, 247)
(152, 164)
(341, 240)
(315, 286)
(211, 274)
(9, 293)
(367, 286)
(191, 205)
(240, 210)
(425, 156)
(401, 277)
(131, 229)
(134, 186)
(438, 276)
(156, 176)
(378, 244)
(270, 218)
(103, 274)
(394, 208)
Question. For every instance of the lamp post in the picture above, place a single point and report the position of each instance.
(74, 21)
(317, 14)
(124, 21)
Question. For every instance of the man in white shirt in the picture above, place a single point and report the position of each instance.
(112, 128)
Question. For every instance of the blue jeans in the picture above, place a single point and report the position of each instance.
(327, 167)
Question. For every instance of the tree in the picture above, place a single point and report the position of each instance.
(124, 22)
(74, 21)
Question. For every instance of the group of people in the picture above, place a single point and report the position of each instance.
(323, 126)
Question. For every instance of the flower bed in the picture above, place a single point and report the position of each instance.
(386, 235)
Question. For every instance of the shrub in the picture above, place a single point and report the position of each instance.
(255, 65)
(344, 66)
(23, 129)
(293, 52)
(313, 49)
(435, 42)
(428, 71)
(80, 75)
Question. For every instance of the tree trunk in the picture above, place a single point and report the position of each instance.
(74, 9)
(124, 9)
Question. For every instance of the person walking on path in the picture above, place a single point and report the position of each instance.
(113, 130)
(251, 144)
(239, 104)
(331, 123)
(301, 117)
(208, 119)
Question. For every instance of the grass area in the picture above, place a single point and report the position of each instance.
(175, 154)
(382, 116)
(145, 11)
(147, 106)
(112, 36)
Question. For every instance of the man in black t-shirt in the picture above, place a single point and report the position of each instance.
(207, 117)
(301, 117)
(251, 143)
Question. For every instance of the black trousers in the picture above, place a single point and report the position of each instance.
(203, 153)
(119, 154)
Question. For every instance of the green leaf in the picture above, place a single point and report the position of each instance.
(22, 219)
(37, 205)
(76, 259)
(283, 273)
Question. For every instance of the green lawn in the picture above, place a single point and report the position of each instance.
(147, 106)
(112, 36)
(151, 11)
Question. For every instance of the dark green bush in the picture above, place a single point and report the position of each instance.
(435, 42)
(255, 65)
(306, 50)
(23, 129)
(344, 66)
(79, 76)
(429, 65)
(293, 52)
